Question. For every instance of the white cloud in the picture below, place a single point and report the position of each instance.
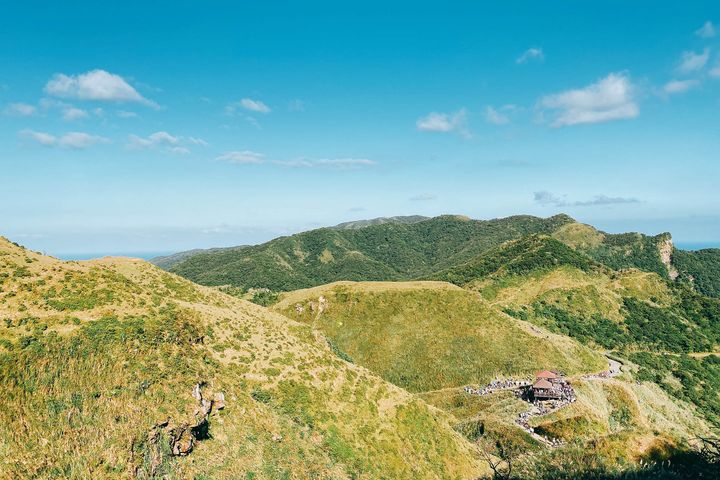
(160, 138)
(94, 85)
(71, 140)
(21, 109)
(331, 163)
(444, 122)
(679, 86)
(691, 61)
(73, 113)
(247, 104)
(706, 31)
(180, 150)
(197, 141)
(498, 116)
(126, 114)
(243, 157)
(165, 142)
(254, 105)
(546, 198)
(533, 53)
(80, 140)
(610, 98)
(42, 138)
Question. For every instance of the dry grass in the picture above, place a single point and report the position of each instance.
(84, 384)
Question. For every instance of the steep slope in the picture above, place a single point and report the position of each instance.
(622, 250)
(390, 251)
(540, 279)
(430, 335)
(103, 364)
(699, 269)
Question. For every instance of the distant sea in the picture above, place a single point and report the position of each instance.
(696, 245)
(90, 256)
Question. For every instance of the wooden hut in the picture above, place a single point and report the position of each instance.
(544, 390)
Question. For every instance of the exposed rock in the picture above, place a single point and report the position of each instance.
(277, 437)
(666, 248)
(197, 392)
(182, 440)
(219, 400)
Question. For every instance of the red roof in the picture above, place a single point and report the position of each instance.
(542, 383)
(545, 374)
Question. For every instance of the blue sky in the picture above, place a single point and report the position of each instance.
(128, 127)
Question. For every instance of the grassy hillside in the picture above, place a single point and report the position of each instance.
(643, 315)
(427, 336)
(390, 251)
(99, 361)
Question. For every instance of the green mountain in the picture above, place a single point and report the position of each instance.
(389, 251)
(410, 248)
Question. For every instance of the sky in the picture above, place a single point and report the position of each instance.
(149, 127)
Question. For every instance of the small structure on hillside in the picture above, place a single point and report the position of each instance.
(548, 385)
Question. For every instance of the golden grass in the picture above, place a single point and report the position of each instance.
(85, 381)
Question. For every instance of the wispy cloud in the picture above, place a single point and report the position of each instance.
(165, 142)
(546, 198)
(706, 31)
(423, 197)
(20, 110)
(243, 157)
(610, 98)
(499, 116)
(692, 62)
(445, 123)
(531, 54)
(97, 85)
(679, 86)
(126, 114)
(330, 163)
(70, 140)
(247, 104)
(73, 113)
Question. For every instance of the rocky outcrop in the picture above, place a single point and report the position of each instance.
(147, 456)
(665, 247)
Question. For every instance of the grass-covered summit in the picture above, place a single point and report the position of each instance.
(102, 364)
(432, 335)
